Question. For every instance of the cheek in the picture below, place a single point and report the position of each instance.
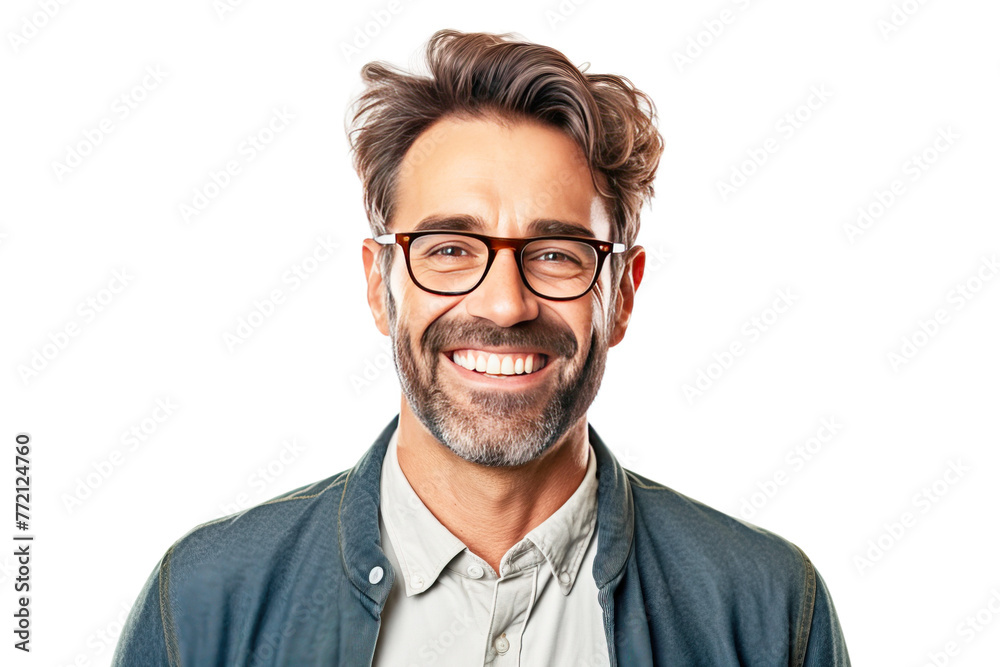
(583, 318)
(420, 310)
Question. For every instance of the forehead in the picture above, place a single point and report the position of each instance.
(508, 178)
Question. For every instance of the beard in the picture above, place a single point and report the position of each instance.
(501, 428)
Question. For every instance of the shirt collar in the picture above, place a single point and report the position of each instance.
(563, 537)
(360, 546)
(423, 546)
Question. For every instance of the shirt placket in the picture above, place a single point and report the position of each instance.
(514, 595)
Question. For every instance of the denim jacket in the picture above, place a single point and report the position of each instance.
(302, 579)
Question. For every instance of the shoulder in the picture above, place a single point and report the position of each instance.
(208, 592)
(727, 574)
(723, 546)
(249, 543)
(724, 577)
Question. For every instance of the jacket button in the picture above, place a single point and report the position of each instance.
(375, 575)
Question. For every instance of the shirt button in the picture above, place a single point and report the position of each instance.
(475, 571)
(417, 581)
(375, 575)
(564, 577)
(502, 644)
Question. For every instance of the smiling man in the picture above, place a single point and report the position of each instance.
(489, 524)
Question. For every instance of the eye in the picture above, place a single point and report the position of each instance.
(449, 251)
(554, 256)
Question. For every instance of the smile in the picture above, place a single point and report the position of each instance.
(491, 363)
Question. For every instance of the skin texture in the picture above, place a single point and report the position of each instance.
(492, 458)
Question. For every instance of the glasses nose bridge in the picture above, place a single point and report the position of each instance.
(497, 244)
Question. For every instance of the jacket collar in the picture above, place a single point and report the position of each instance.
(368, 567)
(615, 514)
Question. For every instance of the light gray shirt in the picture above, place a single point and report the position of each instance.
(448, 607)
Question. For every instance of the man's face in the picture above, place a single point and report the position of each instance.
(515, 179)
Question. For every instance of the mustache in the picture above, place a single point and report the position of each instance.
(537, 334)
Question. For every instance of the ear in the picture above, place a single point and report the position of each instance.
(635, 266)
(376, 285)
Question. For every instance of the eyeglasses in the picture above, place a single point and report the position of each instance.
(560, 268)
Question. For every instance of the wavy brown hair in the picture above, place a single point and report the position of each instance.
(489, 75)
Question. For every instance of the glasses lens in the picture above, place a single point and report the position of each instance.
(559, 268)
(447, 262)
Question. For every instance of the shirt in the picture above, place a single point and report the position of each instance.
(449, 607)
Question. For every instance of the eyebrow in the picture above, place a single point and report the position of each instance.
(559, 228)
(452, 223)
(471, 223)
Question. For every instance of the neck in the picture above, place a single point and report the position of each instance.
(489, 509)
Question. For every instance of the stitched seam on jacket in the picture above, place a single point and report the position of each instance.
(166, 618)
(808, 607)
(641, 485)
(340, 533)
(315, 495)
(229, 517)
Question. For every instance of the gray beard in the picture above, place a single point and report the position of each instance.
(500, 429)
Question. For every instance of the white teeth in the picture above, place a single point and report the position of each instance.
(495, 364)
(463, 360)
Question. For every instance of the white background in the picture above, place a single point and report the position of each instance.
(715, 263)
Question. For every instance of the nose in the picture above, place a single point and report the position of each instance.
(502, 297)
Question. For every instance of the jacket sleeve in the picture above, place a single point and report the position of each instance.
(143, 641)
(826, 646)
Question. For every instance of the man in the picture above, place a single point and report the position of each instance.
(489, 524)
